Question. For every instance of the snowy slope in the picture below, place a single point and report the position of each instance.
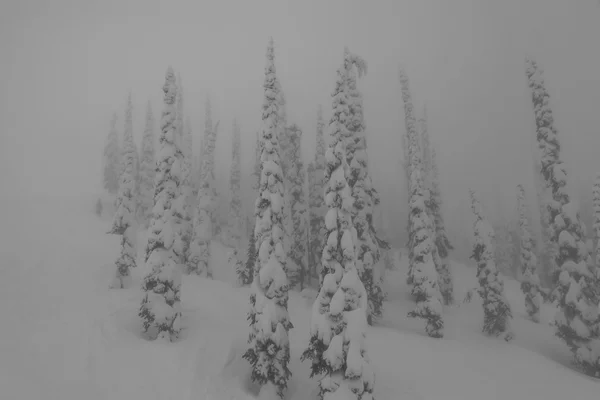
(66, 336)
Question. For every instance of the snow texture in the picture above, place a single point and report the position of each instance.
(161, 309)
(577, 321)
(269, 351)
(338, 323)
(497, 313)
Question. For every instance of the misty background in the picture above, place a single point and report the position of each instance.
(66, 66)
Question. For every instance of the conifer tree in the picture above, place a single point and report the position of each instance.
(338, 321)
(318, 209)
(112, 158)
(496, 310)
(411, 146)
(421, 245)
(269, 352)
(123, 222)
(364, 194)
(576, 277)
(434, 212)
(207, 169)
(297, 181)
(546, 248)
(147, 169)
(161, 308)
(441, 236)
(530, 282)
(235, 210)
(247, 276)
(198, 259)
(246, 273)
(183, 221)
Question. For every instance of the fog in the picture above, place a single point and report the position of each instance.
(66, 66)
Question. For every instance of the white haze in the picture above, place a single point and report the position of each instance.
(67, 65)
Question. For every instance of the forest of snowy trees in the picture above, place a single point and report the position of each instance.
(316, 225)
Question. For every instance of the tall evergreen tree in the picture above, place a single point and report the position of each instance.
(112, 158)
(297, 181)
(246, 271)
(269, 352)
(433, 197)
(411, 149)
(422, 275)
(441, 236)
(547, 248)
(235, 210)
(183, 221)
(198, 260)
(161, 307)
(576, 276)
(123, 223)
(338, 322)
(496, 310)
(207, 172)
(316, 189)
(147, 169)
(364, 194)
(530, 282)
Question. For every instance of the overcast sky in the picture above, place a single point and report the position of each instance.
(67, 65)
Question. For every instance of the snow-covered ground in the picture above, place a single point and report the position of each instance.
(65, 335)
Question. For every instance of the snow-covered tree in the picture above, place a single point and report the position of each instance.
(577, 321)
(338, 322)
(235, 206)
(547, 248)
(269, 352)
(530, 282)
(422, 274)
(441, 236)
(496, 310)
(297, 182)
(425, 288)
(112, 158)
(124, 219)
(411, 149)
(161, 306)
(316, 200)
(207, 169)
(198, 259)
(364, 194)
(596, 205)
(147, 169)
(183, 221)
(246, 273)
